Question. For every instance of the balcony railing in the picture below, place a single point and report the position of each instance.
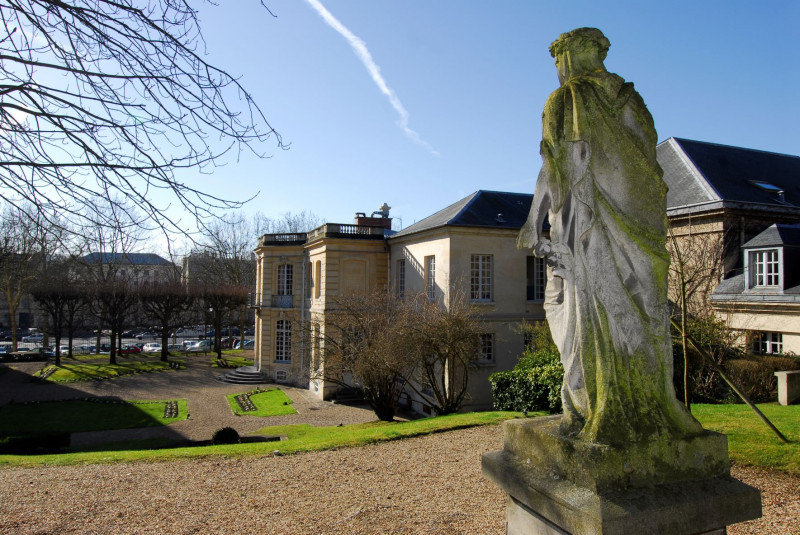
(257, 300)
(341, 230)
(282, 301)
(287, 238)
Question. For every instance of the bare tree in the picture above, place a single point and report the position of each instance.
(166, 302)
(220, 300)
(360, 341)
(695, 270)
(445, 345)
(24, 245)
(62, 298)
(108, 99)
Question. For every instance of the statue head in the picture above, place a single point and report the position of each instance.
(579, 52)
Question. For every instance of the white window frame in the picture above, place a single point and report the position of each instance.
(401, 277)
(281, 376)
(481, 278)
(285, 279)
(487, 348)
(430, 277)
(764, 268)
(283, 341)
(767, 343)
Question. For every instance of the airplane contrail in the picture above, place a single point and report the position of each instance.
(362, 52)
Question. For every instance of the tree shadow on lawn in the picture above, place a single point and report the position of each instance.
(27, 412)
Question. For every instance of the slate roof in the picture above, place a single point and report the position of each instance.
(488, 209)
(698, 172)
(732, 289)
(776, 235)
(138, 259)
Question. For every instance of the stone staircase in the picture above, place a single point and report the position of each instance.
(246, 375)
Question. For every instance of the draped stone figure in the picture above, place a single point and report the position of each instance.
(606, 296)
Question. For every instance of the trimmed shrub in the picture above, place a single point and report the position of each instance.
(226, 435)
(755, 375)
(535, 382)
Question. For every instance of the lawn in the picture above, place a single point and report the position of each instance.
(301, 438)
(70, 373)
(273, 402)
(93, 414)
(750, 441)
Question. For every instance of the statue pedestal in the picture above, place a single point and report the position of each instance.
(562, 486)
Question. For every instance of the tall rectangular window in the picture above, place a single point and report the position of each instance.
(401, 278)
(481, 277)
(430, 277)
(285, 273)
(765, 268)
(317, 278)
(536, 275)
(283, 341)
(487, 347)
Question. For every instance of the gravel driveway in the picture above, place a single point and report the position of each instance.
(424, 485)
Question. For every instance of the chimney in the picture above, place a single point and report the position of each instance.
(382, 220)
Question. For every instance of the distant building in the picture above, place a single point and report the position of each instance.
(136, 268)
(746, 201)
(471, 243)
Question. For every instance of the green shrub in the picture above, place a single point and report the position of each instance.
(755, 374)
(535, 382)
(226, 435)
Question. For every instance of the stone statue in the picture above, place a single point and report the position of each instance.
(606, 297)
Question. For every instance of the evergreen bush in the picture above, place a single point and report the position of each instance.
(535, 382)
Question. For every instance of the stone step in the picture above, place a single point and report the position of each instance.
(247, 375)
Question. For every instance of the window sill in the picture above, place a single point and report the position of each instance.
(486, 364)
(481, 302)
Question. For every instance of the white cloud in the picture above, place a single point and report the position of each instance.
(360, 48)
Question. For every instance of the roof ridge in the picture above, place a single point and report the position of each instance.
(732, 147)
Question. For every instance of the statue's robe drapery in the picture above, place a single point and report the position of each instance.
(606, 299)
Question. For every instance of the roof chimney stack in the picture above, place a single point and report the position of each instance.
(382, 220)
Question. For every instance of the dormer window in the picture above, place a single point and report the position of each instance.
(764, 268)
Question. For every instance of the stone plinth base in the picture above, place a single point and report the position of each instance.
(572, 487)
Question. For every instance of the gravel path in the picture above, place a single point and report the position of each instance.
(424, 485)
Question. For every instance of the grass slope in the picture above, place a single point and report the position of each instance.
(273, 402)
(76, 415)
(301, 438)
(71, 373)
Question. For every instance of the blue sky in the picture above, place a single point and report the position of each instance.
(472, 78)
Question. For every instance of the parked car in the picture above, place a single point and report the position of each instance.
(200, 347)
(151, 347)
(33, 338)
(127, 350)
(248, 344)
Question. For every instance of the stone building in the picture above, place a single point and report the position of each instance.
(721, 202)
(471, 243)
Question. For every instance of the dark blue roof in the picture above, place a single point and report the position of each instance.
(698, 172)
(492, 209)
(138, 259)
